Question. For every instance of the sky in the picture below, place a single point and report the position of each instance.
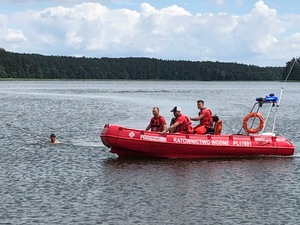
(253, 32)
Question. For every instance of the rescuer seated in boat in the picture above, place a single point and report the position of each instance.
(53, 139)
(182, 123)
(157, 122)
(205, 118)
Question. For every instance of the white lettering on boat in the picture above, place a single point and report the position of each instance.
(196, 141)
(153, 138)
(219, 142)
(191, 141)
(200, 142)
(242, 143)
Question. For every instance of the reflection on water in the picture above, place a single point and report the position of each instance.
(80, 182)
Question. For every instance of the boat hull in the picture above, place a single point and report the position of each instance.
(128, 142)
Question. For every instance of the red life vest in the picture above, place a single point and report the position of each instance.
(189, 129)
(206, 120)
(157, 124)
(185, 126)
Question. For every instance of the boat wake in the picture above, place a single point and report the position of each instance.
(296, 155)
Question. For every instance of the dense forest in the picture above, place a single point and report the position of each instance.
(35, 66)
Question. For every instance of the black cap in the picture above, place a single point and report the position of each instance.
(175, 109)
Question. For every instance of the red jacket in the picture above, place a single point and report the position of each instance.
(157, 124)
(206, 120)
(185, 125)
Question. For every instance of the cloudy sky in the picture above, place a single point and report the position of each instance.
(264, 33)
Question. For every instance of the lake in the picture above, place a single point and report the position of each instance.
(80, 182)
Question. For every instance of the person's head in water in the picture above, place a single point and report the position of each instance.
(53, 138)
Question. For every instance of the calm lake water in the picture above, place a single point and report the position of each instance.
(80, 182)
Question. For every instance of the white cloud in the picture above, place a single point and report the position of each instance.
(257, 30)
(13, 36)
(8, 35)
(220, 2)
(260, 37)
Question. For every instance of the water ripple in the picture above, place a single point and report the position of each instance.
(80, 182)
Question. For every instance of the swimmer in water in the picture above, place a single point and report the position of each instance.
(53, 139)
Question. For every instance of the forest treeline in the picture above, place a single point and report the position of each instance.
(35, 66)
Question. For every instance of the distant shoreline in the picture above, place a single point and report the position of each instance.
(83, 80)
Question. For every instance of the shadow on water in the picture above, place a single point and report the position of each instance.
(123, 161)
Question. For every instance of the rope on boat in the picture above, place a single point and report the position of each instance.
(281, 93)
(275, 102)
